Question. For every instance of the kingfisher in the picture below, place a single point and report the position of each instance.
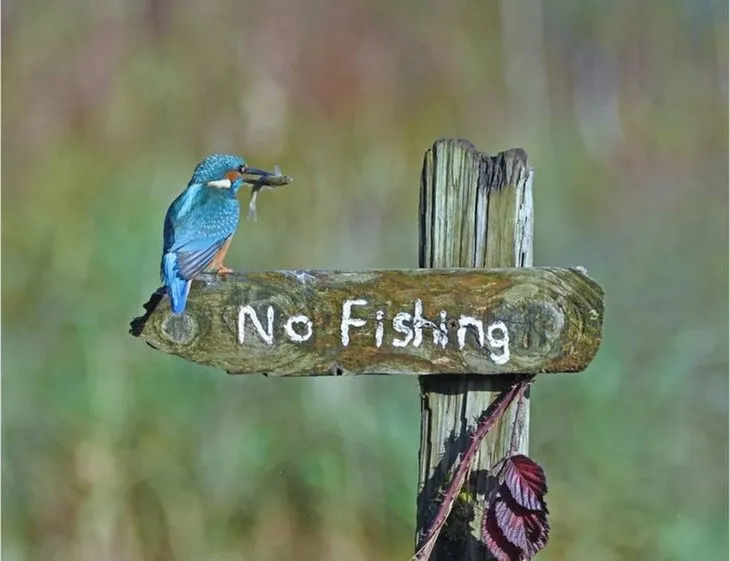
(200, 223)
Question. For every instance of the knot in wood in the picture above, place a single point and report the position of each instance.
(180, 330)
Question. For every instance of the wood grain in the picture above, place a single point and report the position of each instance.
(552, 316)
(475, 211)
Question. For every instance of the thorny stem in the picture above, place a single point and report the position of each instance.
(486, 420)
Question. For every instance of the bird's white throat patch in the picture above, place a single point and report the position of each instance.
(220, 183)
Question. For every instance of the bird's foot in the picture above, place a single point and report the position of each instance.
(223, 270)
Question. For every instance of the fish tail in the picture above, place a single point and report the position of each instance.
(177, 287)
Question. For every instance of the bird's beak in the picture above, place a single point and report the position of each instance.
(258, 172)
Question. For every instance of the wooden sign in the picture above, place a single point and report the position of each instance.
(417, 322)
(475, 213)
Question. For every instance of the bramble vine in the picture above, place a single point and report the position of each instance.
(515, 526)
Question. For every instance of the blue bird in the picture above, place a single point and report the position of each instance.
(200, 224)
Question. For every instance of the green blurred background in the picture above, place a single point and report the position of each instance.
(112, 451)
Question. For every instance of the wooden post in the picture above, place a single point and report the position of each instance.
(475, 211)
(471, 319)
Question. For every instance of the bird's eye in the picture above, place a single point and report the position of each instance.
(242, 169)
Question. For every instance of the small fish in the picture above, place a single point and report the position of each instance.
(270, 181)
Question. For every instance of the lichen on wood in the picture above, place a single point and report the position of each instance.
(416, 322)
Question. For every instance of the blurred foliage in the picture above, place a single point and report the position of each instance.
(114, 451)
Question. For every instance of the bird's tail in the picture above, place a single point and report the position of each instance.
(177, 287)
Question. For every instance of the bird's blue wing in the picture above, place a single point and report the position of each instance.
(196, 228)
(192, 262)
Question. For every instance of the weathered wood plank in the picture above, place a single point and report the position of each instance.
(475, 211)
(308, 323)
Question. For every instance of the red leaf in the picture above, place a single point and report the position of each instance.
(528, 530)
(515, 526)
(497, 544)
(525, 480)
